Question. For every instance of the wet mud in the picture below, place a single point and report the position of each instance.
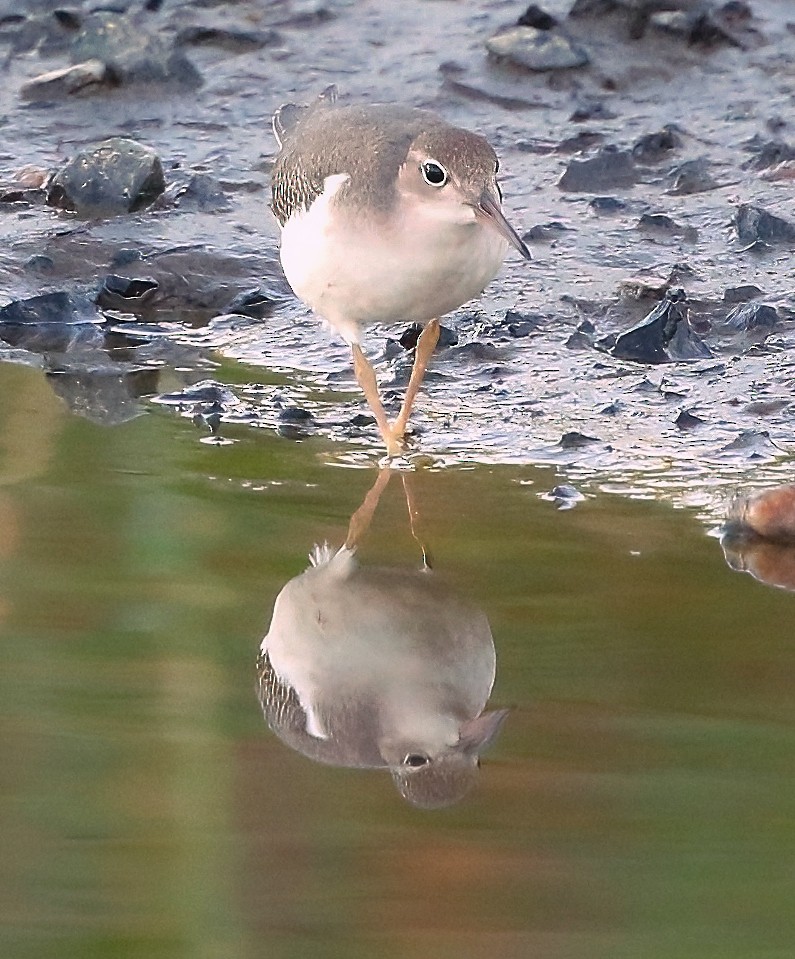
(648, 159)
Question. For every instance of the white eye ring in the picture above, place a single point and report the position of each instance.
(434, 173)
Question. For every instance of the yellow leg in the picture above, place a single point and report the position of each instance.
(365, 377)
(360, 521)
(426, 344)
(408, 483)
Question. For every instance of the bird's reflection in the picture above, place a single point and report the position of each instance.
(381, 667)
(759, 536)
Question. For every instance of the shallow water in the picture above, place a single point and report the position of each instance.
(637, 801)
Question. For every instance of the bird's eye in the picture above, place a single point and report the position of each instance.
(415, 760)
(434, 173)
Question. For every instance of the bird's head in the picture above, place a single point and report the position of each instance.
(439, 775)
(453, 173)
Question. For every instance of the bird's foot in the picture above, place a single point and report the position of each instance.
(395, 439)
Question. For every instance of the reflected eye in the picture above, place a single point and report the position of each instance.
(433, 173)
(415, 760)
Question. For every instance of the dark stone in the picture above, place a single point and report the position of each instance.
(544, 231)
(50, 323)
(362, 420)
(294, 414)
(116, 176)
(23, 197)
(607, 205)
(534, 16)
(610, 168)
(663, 336)
(566, 492)
(126, 256)
(125, 294)
(741, 294)
(688, 421)
(60, 307)
(408, 340)
(202, 192)
(592, 111)
(40, 263)
(754, 444)
(729, 24)
(755, 225)
(657, 222)
(581, 142)
(294, 423)
(575, 441)
(520, 325)
(753, 316)
(564, 496)
(583, 336)
(257, 303)
(133, 54)
(654, 147)
(661, 224)
(767, 153)
(579, 340)
(229, 39)
(692, 176)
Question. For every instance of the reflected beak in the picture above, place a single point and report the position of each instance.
(489, 210)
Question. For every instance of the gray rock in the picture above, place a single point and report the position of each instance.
(57, 322)
(231, 39)
(537, 49)
(202, 192)
(654, 147)
(606, 205)
(767, 153)
(741, 294)
(608, 169)
(126, 294)
(664, 336)
(132, 54)
(756, 225)
(659, 224)
(82, 78)
(692, 176)
(116, 176)
(753, 316)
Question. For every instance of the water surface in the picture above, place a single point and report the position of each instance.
(638, 800)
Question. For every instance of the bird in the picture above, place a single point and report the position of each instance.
(381, 667)
(388, 213)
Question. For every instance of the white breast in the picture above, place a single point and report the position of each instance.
(418, 266)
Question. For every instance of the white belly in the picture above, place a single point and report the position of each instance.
(417, 268)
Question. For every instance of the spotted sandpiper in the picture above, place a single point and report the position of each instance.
(388, 214)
